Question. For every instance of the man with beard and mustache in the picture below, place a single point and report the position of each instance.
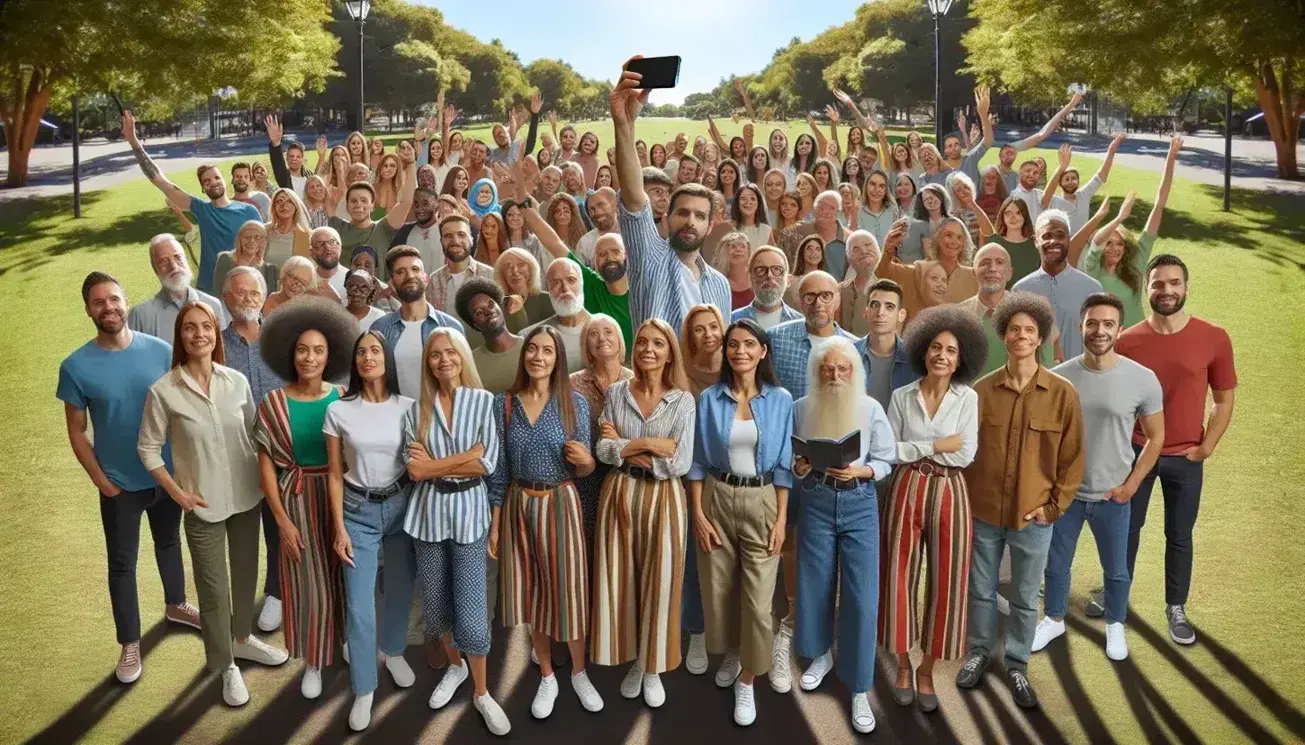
(479, 303)
(573, 183)
(240, 190)
(1077, 201)
(219, 218)
(824, 223)
(459, 266)
(157, 316)
(423, 233)
(667, 277)
(565, 287)
(243, 292)
(405, 330)
(324, 244)
(477, 164)
(360, 229)
(1188, 355)
(1024, 476)
(109, 377)
(768, 273)
(838, 530)
(602, 212)
(993, 268)
(1061, 284)
(1115, 393)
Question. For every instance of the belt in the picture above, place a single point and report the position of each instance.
(638, 472)
(929, 468)
(449, 486)
(385, 492)
(823, 477)
(731, 479)
(540, 485)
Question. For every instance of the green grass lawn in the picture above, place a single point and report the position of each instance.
(1243, 682)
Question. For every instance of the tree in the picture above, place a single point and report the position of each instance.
(1148, 58)
(164, 53)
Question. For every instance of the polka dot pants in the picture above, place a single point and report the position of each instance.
(453, 589)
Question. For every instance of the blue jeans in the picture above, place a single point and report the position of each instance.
(373, 527)
(1109, 522)
(1180, 482)
(1028, 558)
(838, 560)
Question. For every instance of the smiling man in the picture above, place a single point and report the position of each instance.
(1061, 284)
(157, 316)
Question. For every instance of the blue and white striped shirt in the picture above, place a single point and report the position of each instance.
(657, 278)
(462, 517)
(671, 419)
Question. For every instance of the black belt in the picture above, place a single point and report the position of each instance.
(823, 477)
(638, 472)
(449, 486)
(385, 492)
(731, 479)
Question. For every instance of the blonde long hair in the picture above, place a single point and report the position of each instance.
(673, 375)
(300, 220)
(430, 385)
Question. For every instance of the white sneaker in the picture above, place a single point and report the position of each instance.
(269, 619)
(745, 705)
(129, 663)
(1048, 629)
(311, 686)
(863, 719)
(1003, 605)
(589, 697)
(729, 671)
(696, 661)
(360, 716)
(781, 676)
(815, 674)
(257, 650)
(399, 669)
(653, 693)
(234, 692)
(632, 684)
(495, 719)
(454, 677)
(544, 698)
(1116, 645)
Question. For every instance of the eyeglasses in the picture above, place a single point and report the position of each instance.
(760, 272)
(247, 295)
(325, 243)
(810, 298)
(836, 370)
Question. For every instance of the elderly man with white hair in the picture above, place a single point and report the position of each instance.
(566, 291)
(863, 254)
(1061, 284)
(823, 222)
(325, 247)
(768, 273)
(157, 316)
(601, 206)
(838, 525)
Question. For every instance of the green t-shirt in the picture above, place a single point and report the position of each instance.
(378, 235)
(1090, 263)
(598, 299)
(498, 370)
(1024, 258)
(306, 419)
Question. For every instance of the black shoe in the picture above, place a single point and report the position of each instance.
(1180, 630)
(1021, 689)
(971, 673)
(1095, 607)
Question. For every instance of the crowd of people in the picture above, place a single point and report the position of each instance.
(734, 393)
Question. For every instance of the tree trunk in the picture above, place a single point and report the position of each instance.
(1280, 116)
(23, 121)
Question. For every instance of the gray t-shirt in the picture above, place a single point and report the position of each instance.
(1112, 401)
(1066, 292)
(881, 379)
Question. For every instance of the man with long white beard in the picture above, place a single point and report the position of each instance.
(157, 316)
(838, 526)
(768, 274)
(567, 294)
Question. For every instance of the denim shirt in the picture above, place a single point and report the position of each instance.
(390, 325)
(772, 408)
(903, 374)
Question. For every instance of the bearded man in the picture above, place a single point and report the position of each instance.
(157, 316)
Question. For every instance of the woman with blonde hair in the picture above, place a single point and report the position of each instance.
(453, 445)
(317, 202)
(356, 146)
(525, 302)
(563, 216)
(646, 434)
(389, 180)
(248, 249)
(807, 191)
(604, 354)
(732, 258)
(950, 249)
(287, 231)
(701, 339)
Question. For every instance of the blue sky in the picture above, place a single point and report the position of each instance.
(602, 34)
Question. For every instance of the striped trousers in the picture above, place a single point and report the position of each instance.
(638, 572)
(927, 514)
(312, 589)
(543, 577)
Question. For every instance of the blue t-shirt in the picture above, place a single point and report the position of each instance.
(113, 385)
(217, 233)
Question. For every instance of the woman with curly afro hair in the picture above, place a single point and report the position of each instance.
(936, 423)
(308, 342)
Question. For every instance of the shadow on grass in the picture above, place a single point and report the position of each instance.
(26, 221)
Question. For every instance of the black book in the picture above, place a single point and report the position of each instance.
(824, 454)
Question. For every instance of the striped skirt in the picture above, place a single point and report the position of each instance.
(639, 572)
(926, 514)
(543, 577)
(312, 589)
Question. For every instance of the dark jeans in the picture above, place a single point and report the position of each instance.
(272, 539)
(121, 518)
(1180, 482)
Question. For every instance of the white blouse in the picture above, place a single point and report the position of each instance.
(916, 432)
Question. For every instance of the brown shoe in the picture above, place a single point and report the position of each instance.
(183, 613)
(129, 667)
(436, 657)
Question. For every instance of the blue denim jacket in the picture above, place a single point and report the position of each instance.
(390, 325)
(902, 375)
(772, 409)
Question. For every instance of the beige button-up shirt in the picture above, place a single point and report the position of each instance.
(212, 449)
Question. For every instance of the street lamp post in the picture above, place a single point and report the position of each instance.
(358, 10)
(939, 9)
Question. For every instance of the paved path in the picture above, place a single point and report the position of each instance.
(106, 164)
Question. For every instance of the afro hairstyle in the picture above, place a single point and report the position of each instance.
(283, 327)
(970, 338)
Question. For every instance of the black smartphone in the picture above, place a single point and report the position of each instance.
(117, 102)
(657, 72)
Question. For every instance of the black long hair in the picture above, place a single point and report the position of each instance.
(765, 369)
(391, 368)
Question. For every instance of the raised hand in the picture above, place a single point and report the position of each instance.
(1063, 155)
(975, 133)
(274, 129)
(843, 98)
(832, 113)
(552, 118)
(1126, 208)
(450, 115)
(321, 145)
(627, 98)
(129, 127)
(536, 102)
(1175, 144)
(1117, 141)
(960, 121)
(982, 100)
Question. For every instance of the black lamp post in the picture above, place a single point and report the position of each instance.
(358, 10)
(939, 9)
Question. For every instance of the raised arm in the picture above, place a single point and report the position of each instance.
(1063, 156)
(747, 100)
(1103, 173)
(1166, 181)
(983, 104)
(174, 193)
(847, 101)
(323, 166)
(627, 101)
(399, 212)
(280, 171)
(831, 111)
(821, 142)
(960, 129)
(1081, 236)
(886, 160)
(714, 133)
(1125, 210)
(536, 103)
(544, 232)
(1036, 138)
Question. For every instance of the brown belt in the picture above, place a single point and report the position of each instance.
(929, 468)
(539, 488)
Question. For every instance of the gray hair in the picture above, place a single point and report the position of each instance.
(931, 245)
(1048, 216)
(160, 239)
(844, 346)
(325, 229)
(960, 177)
(829, 194)
(722, 258)
(245, 271)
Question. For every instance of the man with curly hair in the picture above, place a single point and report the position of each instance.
(479, 304)
(1025, 474)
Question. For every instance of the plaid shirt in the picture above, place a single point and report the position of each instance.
(245, 359)
(655, 272)
(790, 349)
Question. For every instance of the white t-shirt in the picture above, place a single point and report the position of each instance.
(1031, 198)
(427, 241)
(372, 436)
(337, 281)
(373, 313)
(407, 356)
(573, 340)
(767, 321)
(743, 448)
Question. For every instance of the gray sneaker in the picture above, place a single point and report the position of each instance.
(1180, 629)
(1095, 607)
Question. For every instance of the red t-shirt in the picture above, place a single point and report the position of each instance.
(1198, 357)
